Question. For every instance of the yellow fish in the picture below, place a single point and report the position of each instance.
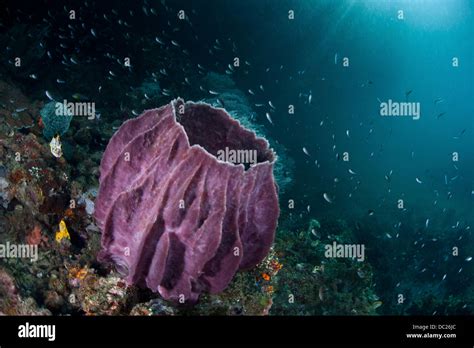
(63, 232)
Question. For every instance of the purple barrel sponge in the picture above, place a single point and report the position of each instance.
(174, 216)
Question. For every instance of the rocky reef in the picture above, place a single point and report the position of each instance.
(11, 303)
(43, 197)
(312, 284)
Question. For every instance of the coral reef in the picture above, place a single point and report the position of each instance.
(249, 293)
(99, 295)
(173, 216)
(13, 304)
(312, 284)
(431, 278)
(35, 195)
(36, 190)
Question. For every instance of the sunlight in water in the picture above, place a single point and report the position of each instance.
(430, 14)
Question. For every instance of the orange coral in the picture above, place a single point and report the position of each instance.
(275, 265)
(78, 273)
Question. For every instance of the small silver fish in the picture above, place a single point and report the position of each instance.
(49, 95)
(271, 105)
(327, 198)
(305, 151)
(269, 118)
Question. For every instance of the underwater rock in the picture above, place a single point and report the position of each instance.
(176, 218)
(323, 285)
(53, 300)
(17, 111)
